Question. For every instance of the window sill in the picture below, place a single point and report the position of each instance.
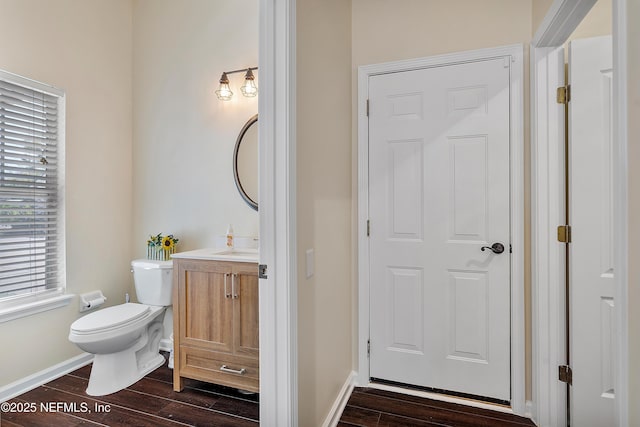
(33, 306)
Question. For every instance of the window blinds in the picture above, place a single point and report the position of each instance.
(29, 250)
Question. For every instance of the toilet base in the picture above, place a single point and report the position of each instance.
(103, 381)
(116, 371)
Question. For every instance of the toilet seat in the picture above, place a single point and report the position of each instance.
(110, 318)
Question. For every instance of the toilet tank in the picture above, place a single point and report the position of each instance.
(153, 281)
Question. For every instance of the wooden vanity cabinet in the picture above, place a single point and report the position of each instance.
(215, 323)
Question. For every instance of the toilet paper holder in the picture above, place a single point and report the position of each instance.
(91, 300)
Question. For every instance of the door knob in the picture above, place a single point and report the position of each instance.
(497, 248)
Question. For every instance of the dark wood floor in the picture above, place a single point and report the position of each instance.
(149, 402)
(378, 408)
(152, 402)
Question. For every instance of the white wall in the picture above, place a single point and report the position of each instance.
(183, 135)
(149, 147)
(84, 48)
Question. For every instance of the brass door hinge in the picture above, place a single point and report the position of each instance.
(367, 108)
(564, 233)
(563, 94)
(565, 374)
(368, 348)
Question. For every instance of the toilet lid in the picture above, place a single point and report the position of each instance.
(110, 317)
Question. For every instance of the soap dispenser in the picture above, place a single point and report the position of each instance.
(230, 237)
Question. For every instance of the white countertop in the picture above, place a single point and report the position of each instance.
(221, 254)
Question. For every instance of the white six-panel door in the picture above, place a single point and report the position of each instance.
(591, 217)
(439, 192)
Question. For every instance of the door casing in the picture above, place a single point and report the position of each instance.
(277, 181)
(514, 53)
(548, 314)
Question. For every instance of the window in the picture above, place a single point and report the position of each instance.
(31, 212)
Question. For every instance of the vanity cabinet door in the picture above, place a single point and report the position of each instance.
(205, 305)
(245, 310)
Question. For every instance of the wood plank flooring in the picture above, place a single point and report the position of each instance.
(149, 402)
(152, 402)
(378, 408)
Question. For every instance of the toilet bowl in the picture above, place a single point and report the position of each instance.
(125, 338)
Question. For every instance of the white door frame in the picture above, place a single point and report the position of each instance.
(547, 210)
(517, 203)
(277, 194)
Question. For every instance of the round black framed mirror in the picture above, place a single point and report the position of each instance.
(245, 162)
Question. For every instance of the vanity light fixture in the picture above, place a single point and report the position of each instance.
(223, 92)
(248, 89)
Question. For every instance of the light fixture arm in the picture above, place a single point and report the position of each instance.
(244, 70)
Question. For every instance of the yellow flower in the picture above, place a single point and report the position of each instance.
(167, 243)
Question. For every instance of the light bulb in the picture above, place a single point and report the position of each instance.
(249, 88)
(224, 93)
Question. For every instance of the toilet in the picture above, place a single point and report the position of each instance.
(125, 338)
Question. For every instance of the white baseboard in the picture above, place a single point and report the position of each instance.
(25, 384)
(528, 409)
(341, 401)
(166, 344)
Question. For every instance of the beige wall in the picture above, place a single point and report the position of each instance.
(385, 30)
(183, 135)
(538, 11)
(323, 147)
(633, 71)
(84, 48)
(597, 22)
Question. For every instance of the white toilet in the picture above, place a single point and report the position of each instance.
(125, 338)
